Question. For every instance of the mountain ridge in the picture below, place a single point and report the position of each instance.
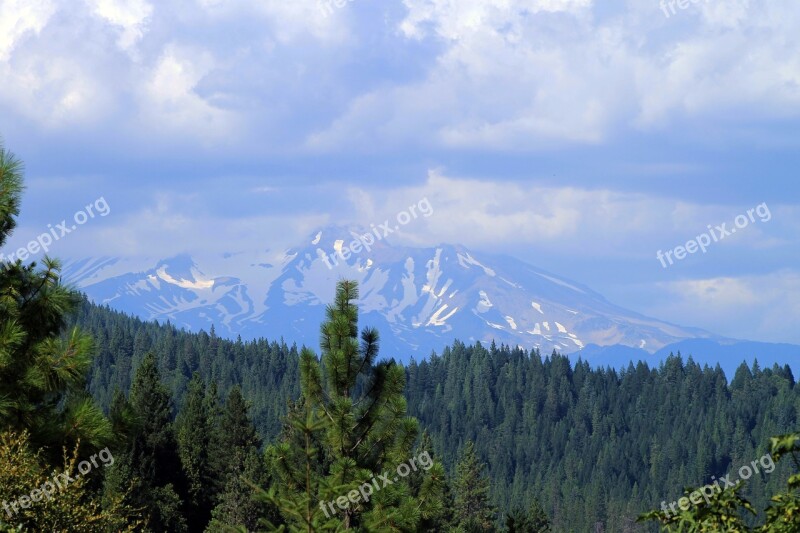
(420, 299)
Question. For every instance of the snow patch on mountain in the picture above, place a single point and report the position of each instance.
(466, 260)
(484, 304)
(420, 299)
(197, 284)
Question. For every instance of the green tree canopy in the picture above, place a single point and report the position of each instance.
(42, 374)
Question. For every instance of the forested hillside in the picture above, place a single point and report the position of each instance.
(266, 371)
(399, 266)
(594, 446)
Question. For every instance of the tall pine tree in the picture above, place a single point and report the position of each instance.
(351, 426)
(151, 464)
(194, 436)
(42, 374)
(44, 407)
(241, 470)
(473, 511)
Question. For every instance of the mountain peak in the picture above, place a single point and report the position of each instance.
(421, 299)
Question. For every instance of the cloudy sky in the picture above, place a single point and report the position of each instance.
(579, 135)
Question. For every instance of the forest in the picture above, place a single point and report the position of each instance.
(590, 447)
(111, 423)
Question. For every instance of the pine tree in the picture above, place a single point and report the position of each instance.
(238, 503)
(242, 470)
(429, 486)
(472, 508)
(238, 434)
(534, 520)
(42, 374)
(298, 464)
(217, 456)
(194, 434)
(123, 419)
(151, 463)
(351, 426)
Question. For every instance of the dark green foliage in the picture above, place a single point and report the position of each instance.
(722, 514)
(350, 427)
(242, 468)
(596, 447)
(431, 488)
(728, 510)
(533, 520)
(472, 509)
(783, 514)
(150, 463)
(42, 373)
(48, 421)
(266, 372)
(194, 432)
(238, 503)
(239, 436)
(11, 170)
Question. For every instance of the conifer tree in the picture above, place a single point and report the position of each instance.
(242, 469)
(194, 435)
(123, 419)
(729, 510)
(42, 374)
(351, 426)
(239, 436)
(534, 520)
(151, 463)
(429, 486)
(473, 510)
(238, 503)
(45, 409)
(216, 449)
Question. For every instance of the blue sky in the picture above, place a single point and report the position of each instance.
(577, 135)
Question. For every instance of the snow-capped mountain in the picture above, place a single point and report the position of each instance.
(420, 299)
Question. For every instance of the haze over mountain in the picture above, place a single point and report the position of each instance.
(421, 299)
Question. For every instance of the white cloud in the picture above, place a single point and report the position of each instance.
(514, 74)
(53, 90)
(171, 102)
(757, 307)
(288, 21)
(131, 16)
(457, 20)
(488, 214)
(568, 221)
(497, 83)
(494, 75)
(18, 17)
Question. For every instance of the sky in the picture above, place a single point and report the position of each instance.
(581, 136)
